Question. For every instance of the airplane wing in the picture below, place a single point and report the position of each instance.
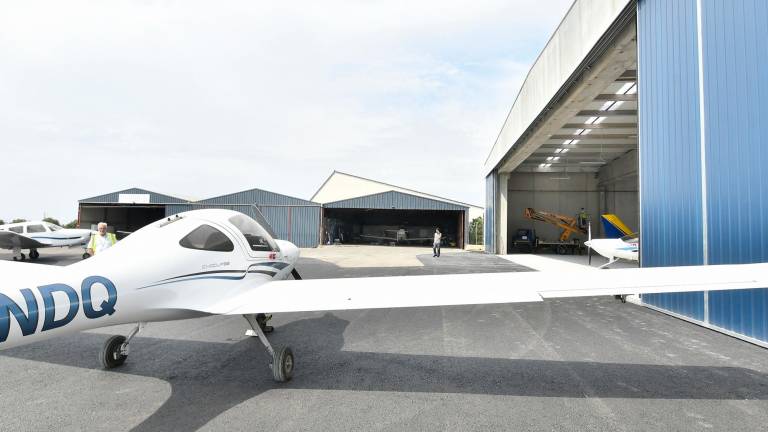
(10, 240)
(485, 288)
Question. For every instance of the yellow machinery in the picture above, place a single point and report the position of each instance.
(568, 224)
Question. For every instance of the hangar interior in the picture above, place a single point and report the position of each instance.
(392, 227)
(124, 211)
(584, 156)
(122, 217)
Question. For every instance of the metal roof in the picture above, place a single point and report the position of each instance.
(388, 185)
(259, 197)
(395, 200)
(114, 197)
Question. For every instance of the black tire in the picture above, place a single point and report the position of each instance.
(23, 257)
(561, 250)
(110, 355)
(282, 364)
(86, 255)
(33, 254)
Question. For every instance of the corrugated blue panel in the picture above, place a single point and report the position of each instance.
(735, 60)
(297, 224)
(258, 196)
(114, 197)
(489, 228)
(395, 200)
(670, 168)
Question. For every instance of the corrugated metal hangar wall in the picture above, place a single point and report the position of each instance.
(703, 65)
(292, 219)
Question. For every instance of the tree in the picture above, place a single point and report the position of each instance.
(52, 220)
(18, 220)
(2, 222)
(476, 231)
(72, 224)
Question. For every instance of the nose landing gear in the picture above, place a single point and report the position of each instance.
(115, 350)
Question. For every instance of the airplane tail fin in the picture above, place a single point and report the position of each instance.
(614, 227)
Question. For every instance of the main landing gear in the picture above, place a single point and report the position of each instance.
(115, 350)
(282, 357)
(18, 256)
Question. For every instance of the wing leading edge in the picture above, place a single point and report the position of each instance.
(484, 288)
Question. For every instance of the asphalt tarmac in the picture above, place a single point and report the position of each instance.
(568, 365)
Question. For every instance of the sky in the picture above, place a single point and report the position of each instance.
(197, 99)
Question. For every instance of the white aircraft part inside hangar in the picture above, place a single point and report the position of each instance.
(346, 209)
(652, 110)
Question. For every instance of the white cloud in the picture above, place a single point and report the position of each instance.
(205, 98)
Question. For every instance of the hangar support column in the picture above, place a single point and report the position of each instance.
(501, 229)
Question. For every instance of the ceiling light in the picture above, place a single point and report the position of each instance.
(566, 142)
(555, 159)
(591, 120)
(550, 158)
(606, 105)
(599, 120)
(541, 165)
(564, 150)
(547, 165)
(578, 131)
(625, 87)
(574, 141)
(616, 105)
(558, 151)
(632, 90)
(585, 131)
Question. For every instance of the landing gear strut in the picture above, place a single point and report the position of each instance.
(34, 254)
(282, 357)
(115, 350)
(17, 255)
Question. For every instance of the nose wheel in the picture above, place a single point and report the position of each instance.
(112, 355)
(115, 350)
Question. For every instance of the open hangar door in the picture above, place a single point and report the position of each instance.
(393, 227)
(121, 218)
(394, 218)
(590, 161)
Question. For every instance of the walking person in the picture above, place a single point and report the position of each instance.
(436, 243)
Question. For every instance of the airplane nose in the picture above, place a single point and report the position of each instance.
(588, 243)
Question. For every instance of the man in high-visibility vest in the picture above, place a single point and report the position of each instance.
(101, 241)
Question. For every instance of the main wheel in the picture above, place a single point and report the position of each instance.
(111, 355)
(33, 254)
(282, 364)
(86, 255)
(561, 250)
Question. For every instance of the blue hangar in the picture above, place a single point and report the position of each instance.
(653, 110)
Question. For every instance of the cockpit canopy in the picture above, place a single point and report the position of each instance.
(209, 238)
(257, 237)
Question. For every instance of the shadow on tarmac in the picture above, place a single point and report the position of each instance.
(208, 379)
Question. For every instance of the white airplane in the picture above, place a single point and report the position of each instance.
(626, 248)
(207, 262)
(37, 235)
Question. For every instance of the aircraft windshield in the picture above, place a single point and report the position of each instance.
(257, 237)
(53, 227)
